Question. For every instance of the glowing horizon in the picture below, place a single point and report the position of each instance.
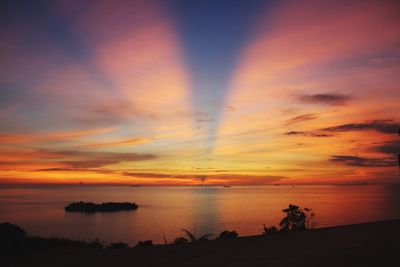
(147, 92)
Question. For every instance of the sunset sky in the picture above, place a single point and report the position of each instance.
(182, 92)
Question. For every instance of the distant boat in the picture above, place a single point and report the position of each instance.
(226, 186)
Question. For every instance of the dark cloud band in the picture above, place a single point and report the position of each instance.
(325, 99)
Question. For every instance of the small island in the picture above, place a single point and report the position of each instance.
(90, 207)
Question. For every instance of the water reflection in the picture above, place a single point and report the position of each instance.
(204, 213)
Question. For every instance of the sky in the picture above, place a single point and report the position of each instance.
(188, 92)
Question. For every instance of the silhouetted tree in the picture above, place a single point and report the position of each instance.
(295, 219)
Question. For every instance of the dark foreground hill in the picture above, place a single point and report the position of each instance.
(369, 244)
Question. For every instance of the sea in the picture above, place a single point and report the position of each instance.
(164, 211)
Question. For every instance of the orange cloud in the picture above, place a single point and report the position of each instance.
(48, 137)
(330, 64)
(127, 142)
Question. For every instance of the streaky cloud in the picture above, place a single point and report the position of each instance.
(309, 134)
(388, 147)
(382, 126)
(63, 169)
(212, 178)
(325, 99)
(70, 160)
(364, 162)
(84, 159)
(118, 143)
(107, 112)
(18, 138)
(301, 118)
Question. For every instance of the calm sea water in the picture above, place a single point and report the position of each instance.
(40, 211)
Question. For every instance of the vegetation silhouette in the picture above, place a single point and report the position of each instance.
(146, 243)
(180, 240)
(270, 230)
(192, 238)
(90, 207)
(13, 239)
(227, 235)
(284, 250)
(117, 245)
(296, 219)
(63, 242)
(11, 230)
(18, 245)
(309, 218)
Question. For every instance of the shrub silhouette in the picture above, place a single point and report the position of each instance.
(180, 240)
(117, 245)
(97, 244)
(226, 235)
(270, 230)
(146, 243)
(11, 230)
(295, 219)
(309, 216)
